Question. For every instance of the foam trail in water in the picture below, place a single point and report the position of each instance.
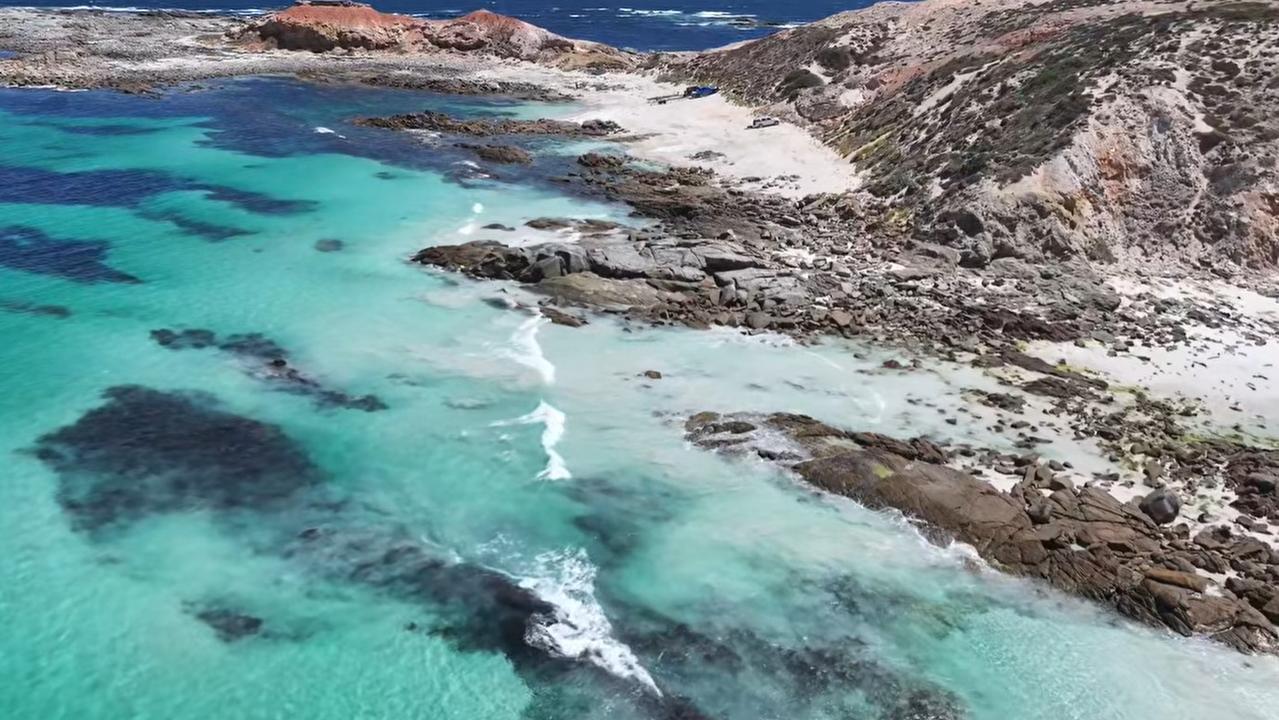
(527, 352)
(553, 422)
(579, 628)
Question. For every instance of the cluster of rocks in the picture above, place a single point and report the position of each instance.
(811, 267)
(442, 82)
(1081, 540)
(501, 154)
(357, 27)
(145, 50)
(484, 127)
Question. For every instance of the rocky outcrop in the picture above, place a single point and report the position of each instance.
(1082, 541)
(357, 27)
(441, 81)
(502, 154)
(485, 127)
(1111, 131)
(729, 256)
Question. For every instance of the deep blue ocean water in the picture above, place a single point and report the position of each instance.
(639, 24)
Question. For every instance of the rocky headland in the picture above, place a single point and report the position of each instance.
(355, 26)
(1134, 555)
(1005, 186)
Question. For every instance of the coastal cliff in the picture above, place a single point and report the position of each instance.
(1107, 130)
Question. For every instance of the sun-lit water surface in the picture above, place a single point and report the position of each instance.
(534, 451)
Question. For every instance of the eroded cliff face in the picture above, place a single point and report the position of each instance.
(1111, 130)
(322, 28)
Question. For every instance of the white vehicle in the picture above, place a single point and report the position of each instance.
(763, 122)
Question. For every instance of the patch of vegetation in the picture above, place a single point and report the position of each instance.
(798, 80)
(1010, 113)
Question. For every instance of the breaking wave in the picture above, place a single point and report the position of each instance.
(552, 421)
(526, 350)
(578, 628)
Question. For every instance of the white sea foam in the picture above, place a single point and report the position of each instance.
(650, 13)
(526, 350)
(578, 628)
(477, 208)
(553, 421)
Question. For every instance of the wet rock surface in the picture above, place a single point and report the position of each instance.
(1080, 540)
(484, 127)
(440, 81)
(503, 154)
(716, 254)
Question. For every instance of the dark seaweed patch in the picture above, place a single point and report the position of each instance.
(328, 245)
(127, 188)
(812, 680)
(205, 230)
(30, 250)
(254, 345)
(269, 364)
(108, 130)
(616, 516)
(148, 451)
(29, 308)
(229, 625)
(121, 188)
(257, 202)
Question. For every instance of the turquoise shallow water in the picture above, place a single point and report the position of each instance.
(514, 529)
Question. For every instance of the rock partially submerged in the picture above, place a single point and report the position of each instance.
(484, 127)
(502, 154)
(1082, 541)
